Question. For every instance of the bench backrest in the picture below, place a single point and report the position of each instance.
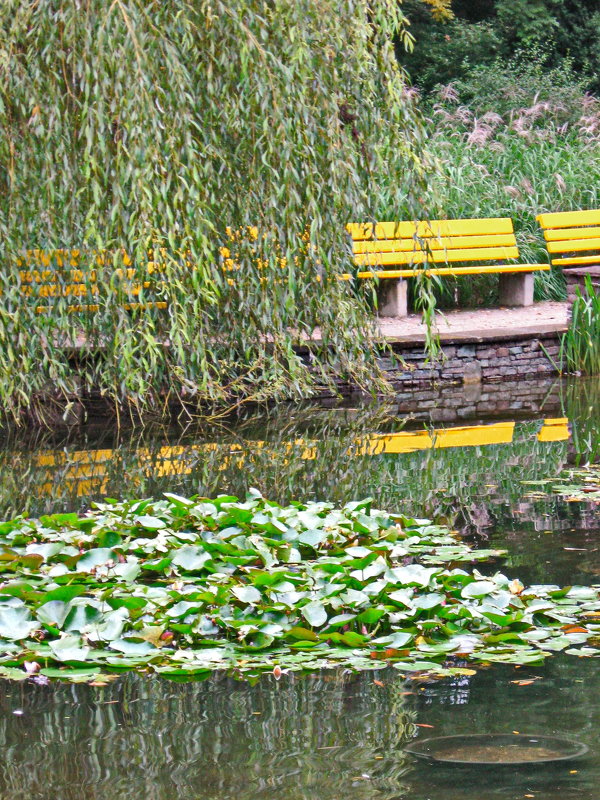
(433, 242)
(568, 234)
(55, 274)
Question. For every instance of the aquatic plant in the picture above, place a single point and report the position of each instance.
(185, 586)
(576, 484)
(580, 346)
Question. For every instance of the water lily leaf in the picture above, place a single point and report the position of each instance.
(314, 613)
(80, 618)
(247, 594)
(54, 612)
(96, 557)
(44, 549)
(478, 589)
(65, 593)
(313, 537)
(69, 648)
(428, 601)
(414, 574)
(109, 626)
(257, 641)
(179, 501)
(150, 523)
(353, 639)
(16, 622)
(394, 640)
(133, 647)
(191, 558)
(354, 598)
(370, 616)
(302, 633)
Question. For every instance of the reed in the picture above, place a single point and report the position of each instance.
(581, 343)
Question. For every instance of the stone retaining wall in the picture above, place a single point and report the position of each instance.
(503, 359)
(476, 361)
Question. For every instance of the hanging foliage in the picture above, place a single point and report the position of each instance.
(190, 168)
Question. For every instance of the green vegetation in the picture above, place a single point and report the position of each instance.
(513, 118)
(186, 586)
(513, 142)
(152, 129)
(577, 484)
(581, 343)
(480, 32)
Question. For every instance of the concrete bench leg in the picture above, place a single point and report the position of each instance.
(392, 298)
(516, 289)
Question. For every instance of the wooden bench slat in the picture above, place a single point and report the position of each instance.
(476, 270)
(78, 289)
(562, 234)
(92, 308)
(83, 276)
(432, 228)
(565, 219)
(573, 245)
(575, 260)
(440, 256)
(442, 243)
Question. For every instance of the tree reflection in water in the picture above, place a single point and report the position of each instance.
(142, 737)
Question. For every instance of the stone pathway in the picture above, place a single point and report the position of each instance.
(480, 324)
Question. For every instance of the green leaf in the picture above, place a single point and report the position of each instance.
(133, 647)
(69, 648)
(314, 613)
(247, 594)
(191, 558)
(302, 633)
(96, 557)
(53, 613)
(478, 589)
(150, 523)
(16, 623)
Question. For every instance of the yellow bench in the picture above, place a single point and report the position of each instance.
(458, 246)
(573, 241)
(45, 276)
(572, 237)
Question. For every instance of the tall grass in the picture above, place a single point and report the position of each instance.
(513, 141)
(581, 343)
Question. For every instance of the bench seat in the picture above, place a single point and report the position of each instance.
(416, 248)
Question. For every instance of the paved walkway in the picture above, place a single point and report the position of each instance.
(481, 324)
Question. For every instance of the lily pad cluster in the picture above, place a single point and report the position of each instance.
(183, 586)
(573, 484)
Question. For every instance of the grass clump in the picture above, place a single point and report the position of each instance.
(185, 586)
(581, 343)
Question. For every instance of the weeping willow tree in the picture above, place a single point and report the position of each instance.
(202, 158)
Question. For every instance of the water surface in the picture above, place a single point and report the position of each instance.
(331, 735)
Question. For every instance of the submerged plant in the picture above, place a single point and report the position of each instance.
(185, 586)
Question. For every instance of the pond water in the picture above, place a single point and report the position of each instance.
(331, 735)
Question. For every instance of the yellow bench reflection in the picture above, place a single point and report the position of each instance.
(88, 469)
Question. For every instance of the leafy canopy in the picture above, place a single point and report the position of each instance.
(169, 131)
